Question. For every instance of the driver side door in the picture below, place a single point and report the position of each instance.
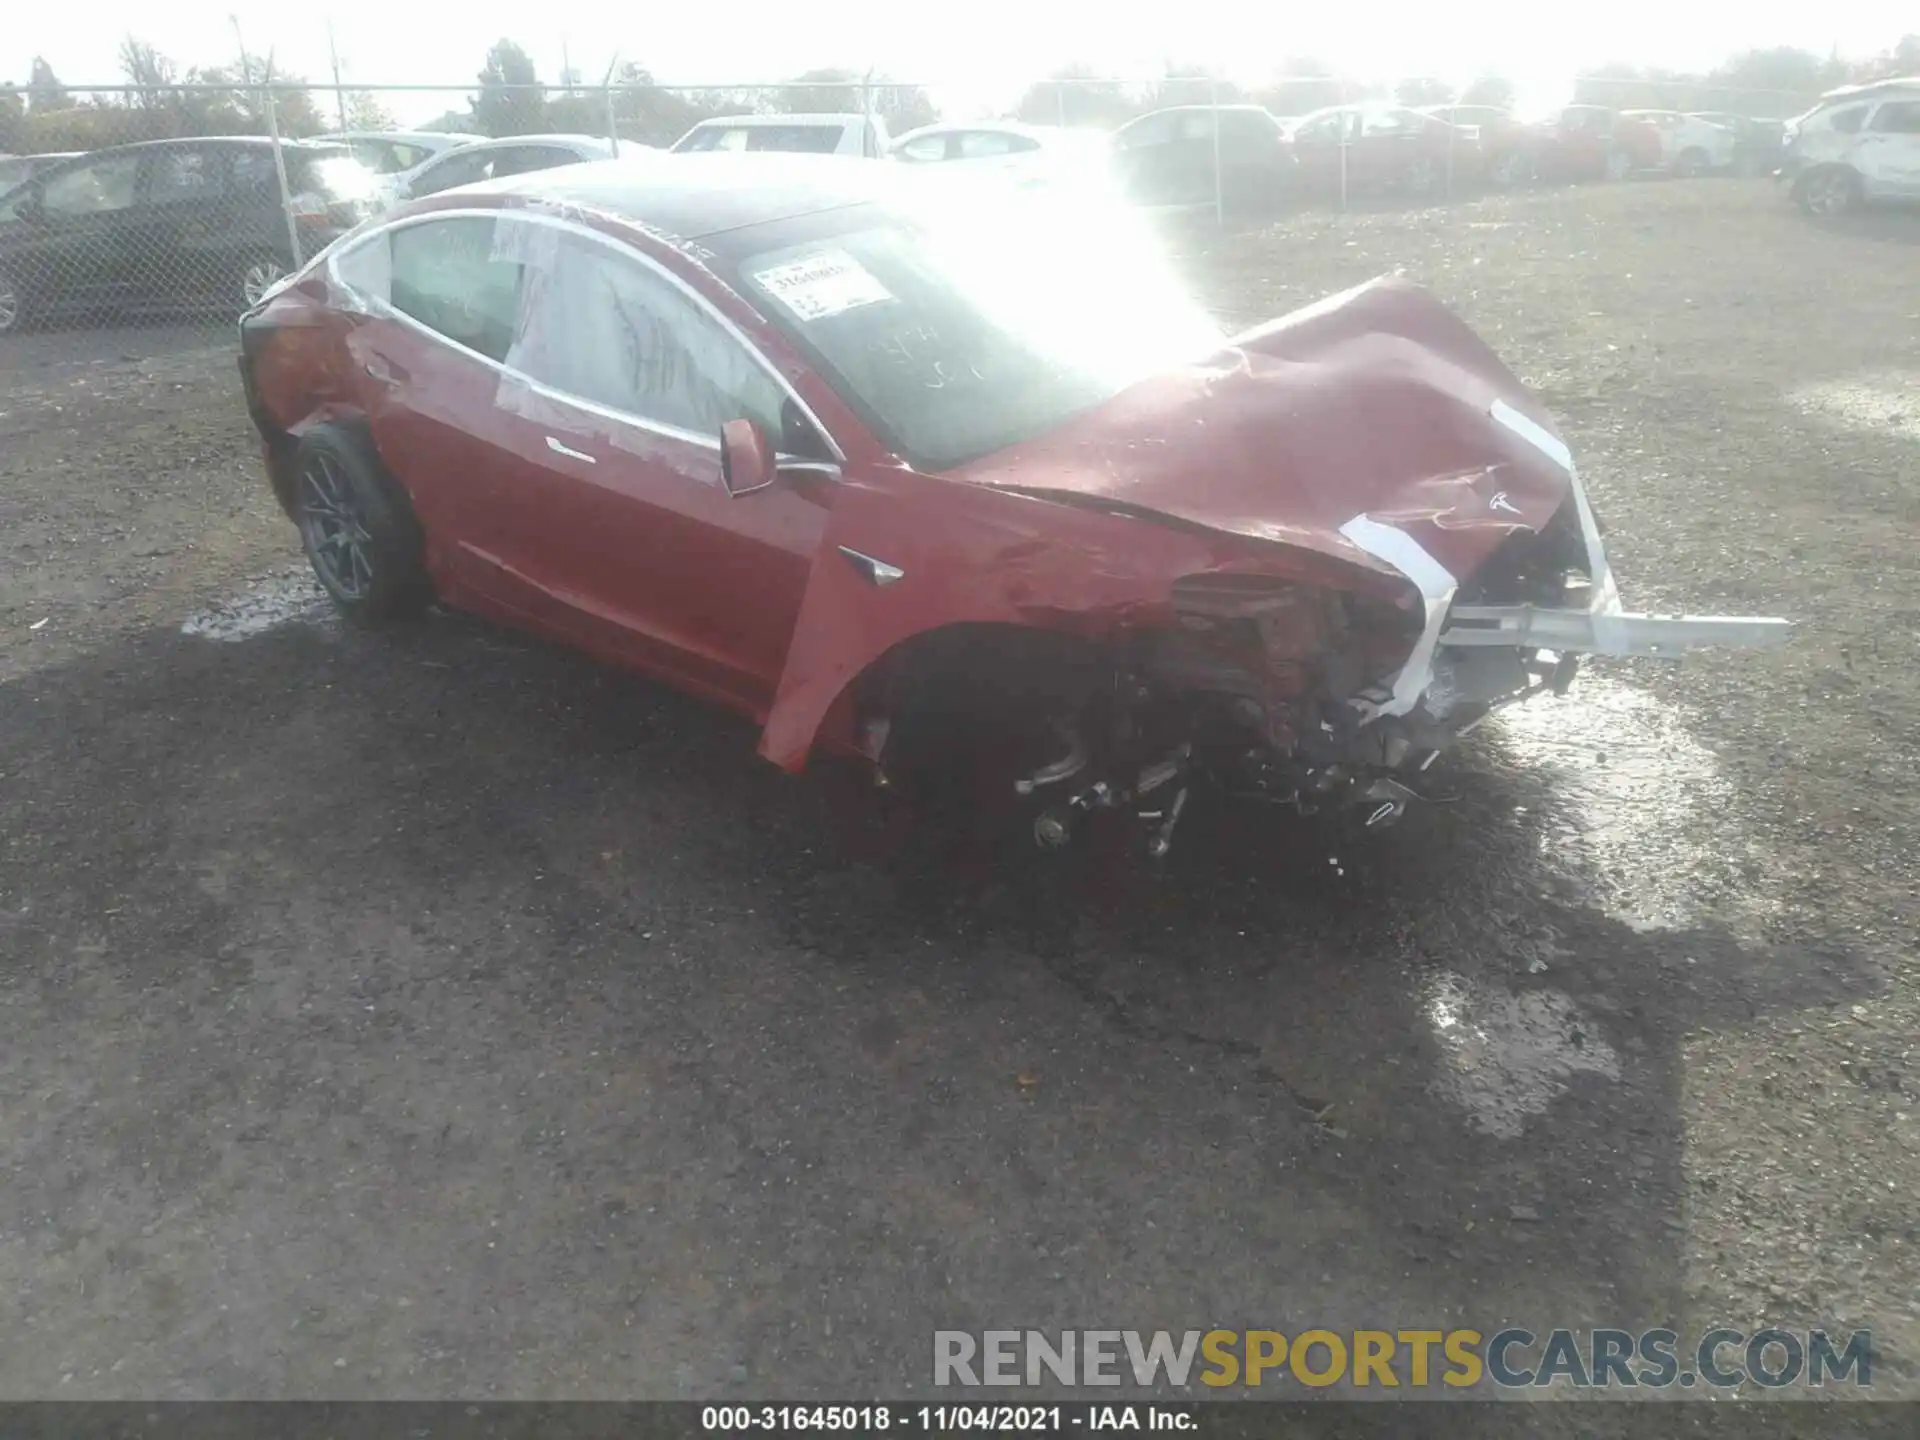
(619, 533)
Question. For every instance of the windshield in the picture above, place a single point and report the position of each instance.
(957, 335)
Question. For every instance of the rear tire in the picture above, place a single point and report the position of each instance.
(358, 529)
(1831, 191)
(1690, 163)
(1618, 164)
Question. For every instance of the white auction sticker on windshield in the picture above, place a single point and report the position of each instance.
(826, 283)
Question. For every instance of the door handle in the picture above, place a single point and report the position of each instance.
(568, 451)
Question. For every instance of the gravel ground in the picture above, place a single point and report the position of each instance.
(438, 1014)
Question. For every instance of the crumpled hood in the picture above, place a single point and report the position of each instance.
(1374, 402)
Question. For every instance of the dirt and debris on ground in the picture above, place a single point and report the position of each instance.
(437, 1013)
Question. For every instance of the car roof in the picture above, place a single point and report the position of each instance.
(1894, 83)
(593, 142)
(1180, 109)
(249, 142)
(1000, 127)
(446, 137)
(698, 194)
(817, 118)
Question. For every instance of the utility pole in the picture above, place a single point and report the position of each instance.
(339, 95)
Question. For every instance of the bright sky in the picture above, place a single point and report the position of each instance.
(977, 55)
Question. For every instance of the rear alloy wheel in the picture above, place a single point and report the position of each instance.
(258, 276)
(1829, 192)
(1689, 164)
(357, 529)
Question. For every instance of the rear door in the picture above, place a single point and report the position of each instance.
(621, 534)
(179, 234)
(1888, 152)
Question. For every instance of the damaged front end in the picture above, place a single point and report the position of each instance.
(1297, 571)
(1319, 698)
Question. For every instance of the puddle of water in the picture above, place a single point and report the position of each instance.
(1882, 403)
(289, 598)
(1507, 1056)
(1643, 819)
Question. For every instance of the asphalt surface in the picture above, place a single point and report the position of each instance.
(434, 1013)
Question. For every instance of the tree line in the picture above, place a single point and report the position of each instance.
(511, 99)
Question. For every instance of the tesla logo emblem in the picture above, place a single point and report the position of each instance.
(1500, 502)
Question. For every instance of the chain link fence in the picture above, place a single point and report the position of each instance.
(126, 203)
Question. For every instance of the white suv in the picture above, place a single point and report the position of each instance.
(1860, 143)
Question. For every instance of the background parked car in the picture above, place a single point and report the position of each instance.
(1383, 147)
(1688, 145)
(168, 225)
(1593, 142)
(1166, 157)
(862, 135)
(18, 169)
(1509, 150)
(491, 159)
(396, 155)
(1756, 143)
(1861, 143)
(1026, 154)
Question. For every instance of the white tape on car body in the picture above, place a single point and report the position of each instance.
(1436, 585)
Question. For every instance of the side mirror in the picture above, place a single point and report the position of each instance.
(746, 459)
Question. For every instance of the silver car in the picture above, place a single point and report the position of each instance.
(1858, 144)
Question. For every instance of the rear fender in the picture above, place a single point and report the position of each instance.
(908, 554)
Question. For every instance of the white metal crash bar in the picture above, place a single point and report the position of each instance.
(1606, 633)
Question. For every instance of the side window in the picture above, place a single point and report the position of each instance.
(367, 267)
(101, 188)
(1150, 130)
(1197, 125)
(252, 170)
(1847, 121)
(1324, 131)
(462, 169)
(1897, 117)
(1244, 130)
(795, 139)
(1385, 122)
(607, 329)
(444, 275)
(524, 159)
(927, 147)
(183, 176)
(981, 144)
